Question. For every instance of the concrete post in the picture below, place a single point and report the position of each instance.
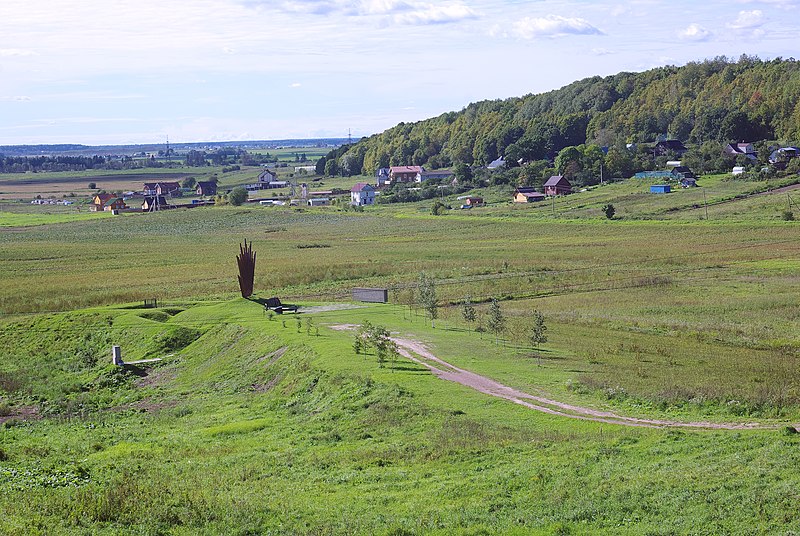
(116, 356)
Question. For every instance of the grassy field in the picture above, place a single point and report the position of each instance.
(253, 424)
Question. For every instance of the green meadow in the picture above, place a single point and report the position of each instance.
(271, 424)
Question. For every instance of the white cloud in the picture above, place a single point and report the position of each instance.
(398, 11)
(432, 14)
(695, 32)
(553, 26)
(10, 52)
(296, 85)
(601, 51)
(748, 20)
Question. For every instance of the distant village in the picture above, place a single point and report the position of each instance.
(165, 195)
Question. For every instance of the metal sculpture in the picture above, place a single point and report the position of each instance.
(247, 268)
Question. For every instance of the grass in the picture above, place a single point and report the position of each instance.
(250, 425)
(367, 450)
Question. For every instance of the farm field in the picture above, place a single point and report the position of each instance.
(256, 424)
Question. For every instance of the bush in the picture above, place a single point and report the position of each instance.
(237, 196)
(609, 211)
(92, 185)
(787, 215)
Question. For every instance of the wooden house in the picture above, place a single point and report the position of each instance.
(527, 194)
(99, 201)
(156, 202)
(557, 185)
(474, 202)
(161, 188)
(206, 188)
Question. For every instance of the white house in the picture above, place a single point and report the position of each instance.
(362, 194)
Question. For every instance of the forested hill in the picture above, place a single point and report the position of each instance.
(714, 100)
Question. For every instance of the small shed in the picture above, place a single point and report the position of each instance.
(319, 202)
(371, 295)
(660, 189)
(475, 201)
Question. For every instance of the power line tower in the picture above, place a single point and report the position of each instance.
(349, 137)
(167, 153)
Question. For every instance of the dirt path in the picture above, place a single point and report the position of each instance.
(419, 353)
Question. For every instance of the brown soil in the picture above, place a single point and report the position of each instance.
(22, 413)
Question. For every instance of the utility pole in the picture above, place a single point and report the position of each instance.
(705, 203)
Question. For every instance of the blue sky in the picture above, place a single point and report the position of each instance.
(137, 71)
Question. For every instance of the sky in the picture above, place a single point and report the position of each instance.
(141, 71)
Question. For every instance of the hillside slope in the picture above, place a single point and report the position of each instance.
(717, 99)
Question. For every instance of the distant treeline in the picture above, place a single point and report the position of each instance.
(713, 101)
(223, 156)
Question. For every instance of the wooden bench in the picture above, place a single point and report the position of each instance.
(274, 304)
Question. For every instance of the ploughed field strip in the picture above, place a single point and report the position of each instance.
(417, 352)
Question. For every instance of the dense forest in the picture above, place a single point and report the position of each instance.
(705, 104)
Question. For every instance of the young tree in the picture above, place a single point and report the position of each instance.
(361, 341)
(496, 321)
(468, 312)
(426, 290)
(609, 211)
(379, 339)
(538, 332)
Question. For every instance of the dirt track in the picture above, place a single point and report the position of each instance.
(419, 353)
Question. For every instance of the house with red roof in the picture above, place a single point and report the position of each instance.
(404, 173)
(362, 194)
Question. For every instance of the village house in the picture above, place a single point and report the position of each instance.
(206, 188)
(741, 149)
(107, 202)
(382, 177)
(527, 194)
(404, 173)
(267, 179)
(474, 201)
(362, 194)
(666, 147)
(267, 176)
(557, 185)
(154, 202)
(172, 189)
(780, 157)
(426, 175)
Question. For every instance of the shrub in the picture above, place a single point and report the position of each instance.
(609, 211)
(787, 215)
(237, 196)
(92, 186)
